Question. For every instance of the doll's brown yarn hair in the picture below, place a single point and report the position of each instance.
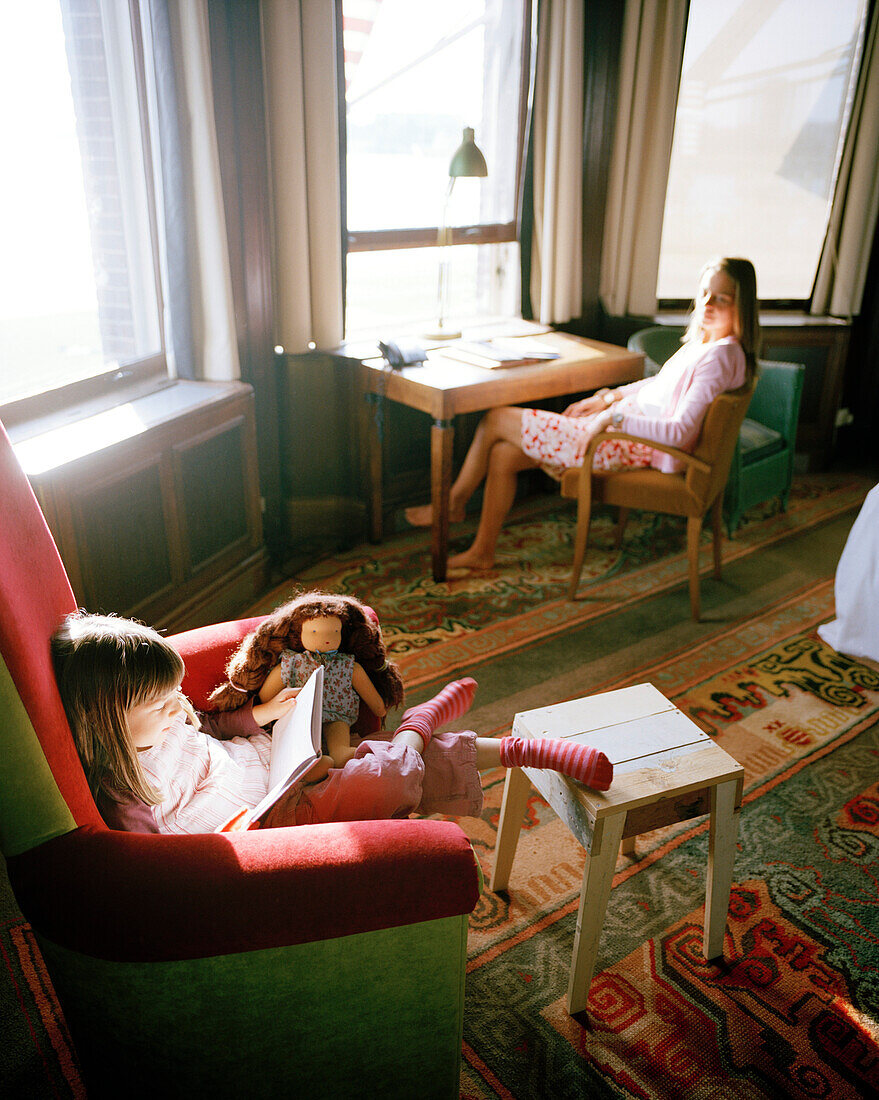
(261, 650)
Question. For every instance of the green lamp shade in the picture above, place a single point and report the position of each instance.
(468, 160)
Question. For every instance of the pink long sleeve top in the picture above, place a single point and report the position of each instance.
(670, 406)
(206, 776)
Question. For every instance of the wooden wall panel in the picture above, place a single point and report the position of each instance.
(161, 520)
(123, 539)
(212, 474)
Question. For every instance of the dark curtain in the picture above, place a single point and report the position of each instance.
(860, 442)
(239, 103)
(601, 49)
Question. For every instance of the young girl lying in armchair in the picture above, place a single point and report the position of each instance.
(153, 765)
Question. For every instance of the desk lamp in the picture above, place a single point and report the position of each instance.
(467, 161)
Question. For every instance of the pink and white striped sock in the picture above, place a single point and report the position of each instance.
(580, 762)
(453, 701)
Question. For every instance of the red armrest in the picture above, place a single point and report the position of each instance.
(205, 652)
(146, 896)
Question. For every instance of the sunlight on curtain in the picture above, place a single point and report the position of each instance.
(650, 67)
(300, 63)
(557, 250)
(842, 272)
(211, 305)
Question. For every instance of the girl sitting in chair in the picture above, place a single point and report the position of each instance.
(152, 768)
(718, 354)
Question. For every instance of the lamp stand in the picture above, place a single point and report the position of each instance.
(443, 240)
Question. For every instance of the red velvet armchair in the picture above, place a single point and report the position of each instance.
(322, 960)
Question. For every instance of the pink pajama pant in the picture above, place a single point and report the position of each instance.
(385, 780)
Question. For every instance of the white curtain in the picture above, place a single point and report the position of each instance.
(214, 349)
(842, 271)
(650, 73)
(301, 94)
(556, 253)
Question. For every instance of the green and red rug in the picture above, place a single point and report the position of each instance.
(435, 628)
(792, 1010)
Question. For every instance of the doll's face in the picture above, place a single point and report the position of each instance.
(322, 635)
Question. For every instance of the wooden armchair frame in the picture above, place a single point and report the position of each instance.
(692, 493)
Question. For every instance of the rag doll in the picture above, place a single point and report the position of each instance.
(316, 628)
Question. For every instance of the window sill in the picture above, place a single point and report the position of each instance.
(47, 443)
(768, 318)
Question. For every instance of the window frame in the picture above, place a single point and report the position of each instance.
(116, 385)
(777, 305)
(379, 240)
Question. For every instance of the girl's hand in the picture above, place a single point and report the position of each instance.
(586, 407)
(281, 704)
(599, 424)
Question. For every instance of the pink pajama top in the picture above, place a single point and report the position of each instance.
(207, 777)
(670, 406)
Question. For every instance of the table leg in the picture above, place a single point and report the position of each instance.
(597, 882)
(442, 438)
(721, 856)
(516, 789)
(371, 429)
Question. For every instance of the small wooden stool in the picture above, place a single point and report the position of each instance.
(665, 770)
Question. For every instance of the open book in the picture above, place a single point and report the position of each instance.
(296, 747)
(498, 352)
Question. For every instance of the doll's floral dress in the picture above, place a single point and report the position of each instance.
(341, 703)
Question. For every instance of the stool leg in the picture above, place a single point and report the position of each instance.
(516, 788)
(721, 856)
(594, 894)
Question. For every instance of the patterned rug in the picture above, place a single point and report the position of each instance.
(433, 629)
(32, 1022)
(792, 1010)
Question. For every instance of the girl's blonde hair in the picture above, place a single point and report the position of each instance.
(744, 278)
(104, 665)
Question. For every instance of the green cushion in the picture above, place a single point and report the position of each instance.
(32, 809)
(757, 441)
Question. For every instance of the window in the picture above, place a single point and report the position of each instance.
(762, 112)
(417, 73)
(79, 300)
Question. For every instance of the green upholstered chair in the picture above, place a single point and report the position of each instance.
(763, 462)
(657, 344)
(322, 960)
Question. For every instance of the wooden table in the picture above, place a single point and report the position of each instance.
(665, 770)
(443, 387)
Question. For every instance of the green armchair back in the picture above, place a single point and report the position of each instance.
(763, 462)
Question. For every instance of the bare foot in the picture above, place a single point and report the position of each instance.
(469, 560)
(422, 515)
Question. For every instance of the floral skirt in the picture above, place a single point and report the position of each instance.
(558, 443)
